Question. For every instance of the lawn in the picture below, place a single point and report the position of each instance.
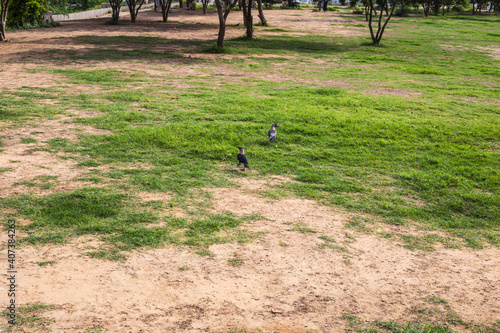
(406, 133)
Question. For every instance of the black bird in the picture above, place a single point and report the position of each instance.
(242, 158)
(272, 133)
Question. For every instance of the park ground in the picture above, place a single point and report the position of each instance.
(172, 236)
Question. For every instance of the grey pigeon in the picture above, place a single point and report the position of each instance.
(242, 158)
(272, 133)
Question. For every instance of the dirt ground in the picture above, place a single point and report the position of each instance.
(285, 283)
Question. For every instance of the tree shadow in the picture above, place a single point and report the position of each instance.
(130, 41)
(306, 45)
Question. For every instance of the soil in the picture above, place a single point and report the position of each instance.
(286, 282)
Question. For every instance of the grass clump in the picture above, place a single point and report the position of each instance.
(300, 227)
(235, 261)
(438, 317)
(46, 263)
(330, 243)
(29, 317)
(119, 221)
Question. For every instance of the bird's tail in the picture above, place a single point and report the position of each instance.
(246, 165)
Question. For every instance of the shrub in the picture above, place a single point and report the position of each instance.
(358, 10)
(402, 12)
(26, 14)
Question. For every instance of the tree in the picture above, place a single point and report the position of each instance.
(115, 8)
(205, 5)
(4, 6)
(190, 5)
(426, 4)
(376, 37)
(246, 6)
(263, 20)
(134, 9)
(223, 13)
(165, 8)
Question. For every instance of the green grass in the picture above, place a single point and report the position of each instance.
(46, 263)
(30, 318)
(330, 243)
(379, 326)
(29, 140)
(235, 261)
(119, 221)
(42, 182)
(424, 153)
(436, 316)
(300, 227)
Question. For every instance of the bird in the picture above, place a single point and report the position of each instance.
(272, 133)
(242, 158)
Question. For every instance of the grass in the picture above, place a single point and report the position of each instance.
(330, 243)
(300, 227)
(118, 221)
(436, 316)
(235, 261)
(413, 137)
(30, 317)
(42, 182)
(46, 263)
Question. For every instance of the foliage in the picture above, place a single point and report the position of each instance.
(25, 14)
(72, 6)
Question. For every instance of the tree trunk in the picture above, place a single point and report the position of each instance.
(222, 20)
(4, 6)
(376, 37)
(222, 24)
(205, 5)
(165, 9)
(180, 3)
(115, 8)
(247, 16)
(261, 13)
(134, 9)
(2, 31)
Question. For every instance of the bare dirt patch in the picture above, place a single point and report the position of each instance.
(25, 163)
(285, 282)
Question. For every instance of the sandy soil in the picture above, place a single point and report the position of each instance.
(285, 284)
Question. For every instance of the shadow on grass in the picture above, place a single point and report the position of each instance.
(306, 45)
(120, 48)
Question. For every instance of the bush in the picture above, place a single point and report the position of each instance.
(26, 14)
(358, 10)
(294, 5)
(72, 6)
(402, 12)
(458, 8)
